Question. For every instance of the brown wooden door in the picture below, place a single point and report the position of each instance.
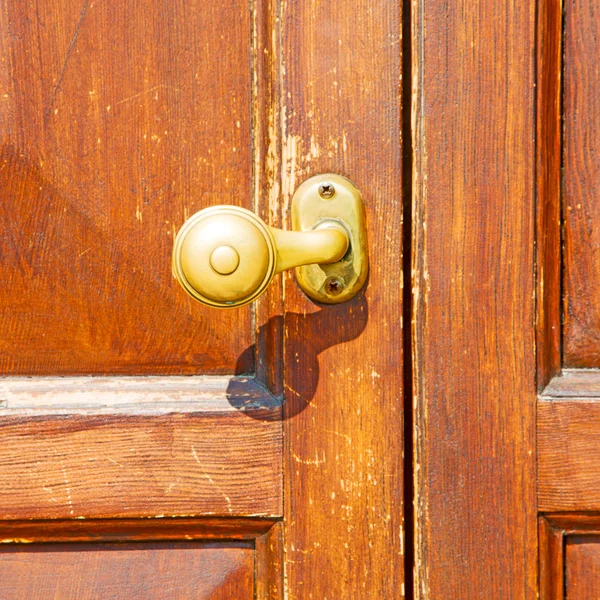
(152, 447)
(506, 329)
(569, 382)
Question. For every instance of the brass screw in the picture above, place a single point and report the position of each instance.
(333, 286)
(326, 190)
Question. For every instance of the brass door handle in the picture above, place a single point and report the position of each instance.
(226, 256)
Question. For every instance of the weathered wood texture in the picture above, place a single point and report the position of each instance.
(144, 571)
(582, 568)
(148, 395)
(574, 383)
(568, 457)
(474, 361)
(117, 121)
(343, 406)
(581, 184)
(133, 453)
(267, 183)
(548, 197)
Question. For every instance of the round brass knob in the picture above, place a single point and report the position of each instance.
(224, 256)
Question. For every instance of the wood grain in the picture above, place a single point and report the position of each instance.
(582, 564)
(144, 571)
(474, 337)
(548, 180)
(193, 455)
(581, 184)
(118, 120)
(267, 183)
(569, 455)
(269, 564)
(343, 364)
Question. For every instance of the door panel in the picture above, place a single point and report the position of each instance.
(181, 570)
(581, 201)
(568, 321)
(344, 409)
(582, 568)
(473, 344)
(569, 556)
(568, 446)
(118, 120)
(138, 446)
(130, 413)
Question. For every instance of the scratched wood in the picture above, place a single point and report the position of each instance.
(581, 183)
(267, 182)
(118, 120)
(128, 463)
(474, 337)
(343, 373)
(144, 571)
(269, 564)
(20, 396)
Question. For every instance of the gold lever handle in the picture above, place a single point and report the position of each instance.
(226, 256)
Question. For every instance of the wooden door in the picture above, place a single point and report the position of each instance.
(506, 257)
(152, 447)
(569, 383)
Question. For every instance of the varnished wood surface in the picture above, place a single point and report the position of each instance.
(343, 405)
(569, 455)
(118, 120)
(138, 530)
(93, 196)
(548, 198)
(474, 340)
(207, 462)
(581, 184)
(144, 571)
(267, 101)
(551, 557)
(559, 533)
(582, 562)
(575, 523)
(269, 564)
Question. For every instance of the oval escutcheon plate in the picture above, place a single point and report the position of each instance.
(317, 203)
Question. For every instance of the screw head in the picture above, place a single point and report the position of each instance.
(326, 190)
(333, 286)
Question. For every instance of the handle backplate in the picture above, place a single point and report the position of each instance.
(319, 201)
